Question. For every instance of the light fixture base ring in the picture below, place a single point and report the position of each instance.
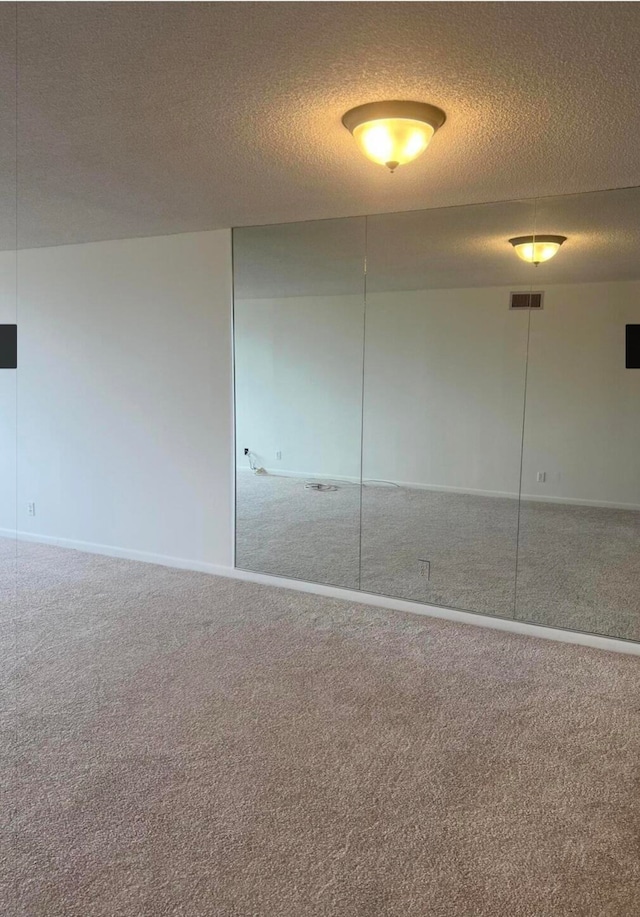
(377, 111)
(529, 240)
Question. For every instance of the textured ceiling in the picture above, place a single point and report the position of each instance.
(439, 248)
(150, 118)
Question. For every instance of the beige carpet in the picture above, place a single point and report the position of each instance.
(578, 567)
(179, 744)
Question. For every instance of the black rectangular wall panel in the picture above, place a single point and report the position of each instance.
(632, 349)
(8, 346)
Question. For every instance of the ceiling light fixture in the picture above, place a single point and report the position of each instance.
(535, 249)
(393, 133)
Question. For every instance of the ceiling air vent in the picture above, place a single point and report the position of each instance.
(525, 301)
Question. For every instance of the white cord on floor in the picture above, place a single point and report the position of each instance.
(317, 485)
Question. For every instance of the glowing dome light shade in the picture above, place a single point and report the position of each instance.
(393, 133)
(538, 248)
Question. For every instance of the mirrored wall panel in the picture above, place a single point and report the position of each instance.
(299, 326)
(445, 367)
(579, 551)
(456, 423)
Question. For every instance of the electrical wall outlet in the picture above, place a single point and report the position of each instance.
(31, 509)
(279, 455)
(424, 568)
(541, 477)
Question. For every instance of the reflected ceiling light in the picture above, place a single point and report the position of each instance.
(393, 133)
(535, 249)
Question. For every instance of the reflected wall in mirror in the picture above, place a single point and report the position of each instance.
(299, 324)
(445, 365)
(579, 550)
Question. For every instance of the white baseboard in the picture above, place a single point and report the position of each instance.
(147, 557)
(338, 592)
(448, 614)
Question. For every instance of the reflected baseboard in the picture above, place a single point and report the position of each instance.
(303, 475)
(450, 489)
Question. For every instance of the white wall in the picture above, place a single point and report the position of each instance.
(583, 406)
(124, 387)
(444, 390)
(125, 401)
(299, 383)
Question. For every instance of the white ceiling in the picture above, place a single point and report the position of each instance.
(152, 118)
